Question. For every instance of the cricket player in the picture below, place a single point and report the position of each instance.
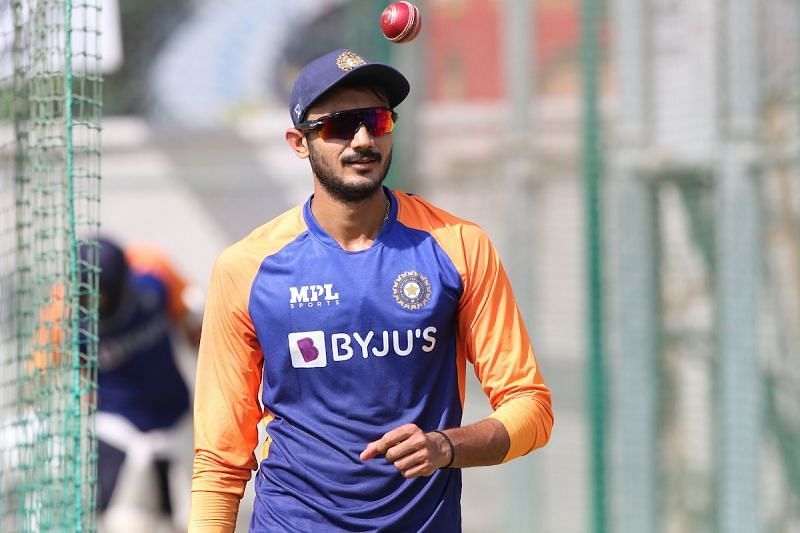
(143, 402)
(346, 326)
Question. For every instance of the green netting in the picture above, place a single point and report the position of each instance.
(49, 206)
(703, 190)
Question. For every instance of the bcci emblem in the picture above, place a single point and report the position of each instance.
(347, 61)
(411, 290)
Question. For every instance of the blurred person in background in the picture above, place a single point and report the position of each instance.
(351, 320)
(143, 400)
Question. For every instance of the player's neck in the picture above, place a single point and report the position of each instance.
(354, 225)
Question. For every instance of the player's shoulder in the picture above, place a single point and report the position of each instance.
(462, 240)
(419, 213)
(142, 256)
(265, 240)
(150, 259)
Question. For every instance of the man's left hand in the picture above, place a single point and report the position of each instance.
(412, 451)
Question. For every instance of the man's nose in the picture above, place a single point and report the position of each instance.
(363, 137)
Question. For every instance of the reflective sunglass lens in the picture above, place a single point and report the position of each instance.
(344, 125)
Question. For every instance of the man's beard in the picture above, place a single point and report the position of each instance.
(336, 187)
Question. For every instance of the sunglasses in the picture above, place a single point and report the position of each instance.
(344, 124)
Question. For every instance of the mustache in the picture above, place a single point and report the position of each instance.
(362, 154)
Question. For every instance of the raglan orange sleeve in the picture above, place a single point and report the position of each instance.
(494, 337)
(226, 407)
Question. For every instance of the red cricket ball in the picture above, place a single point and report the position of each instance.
(401, 22)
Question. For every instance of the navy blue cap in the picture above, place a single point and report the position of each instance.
(114, 272)
(326, 72)
(110, 259)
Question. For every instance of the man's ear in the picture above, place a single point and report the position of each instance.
(297, 142)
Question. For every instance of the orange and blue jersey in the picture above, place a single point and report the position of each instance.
(342, 347)
(138, 377)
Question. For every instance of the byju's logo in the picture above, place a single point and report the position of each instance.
(308, 349)
(313, 296)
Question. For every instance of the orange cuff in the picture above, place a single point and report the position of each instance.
(528, 422)
(213, 512)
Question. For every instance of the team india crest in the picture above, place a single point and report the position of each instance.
(348, 60)
(411, 290)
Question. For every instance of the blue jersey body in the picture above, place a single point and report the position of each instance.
(371, 345)
(138, 377)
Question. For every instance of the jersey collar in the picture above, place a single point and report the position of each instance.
(327, 240)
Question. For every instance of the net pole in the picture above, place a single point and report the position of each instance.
(636, 288)
(518, 68)
(518, 65)
(592, 171)
(22, 276)
(73, 411)
(738, 406)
